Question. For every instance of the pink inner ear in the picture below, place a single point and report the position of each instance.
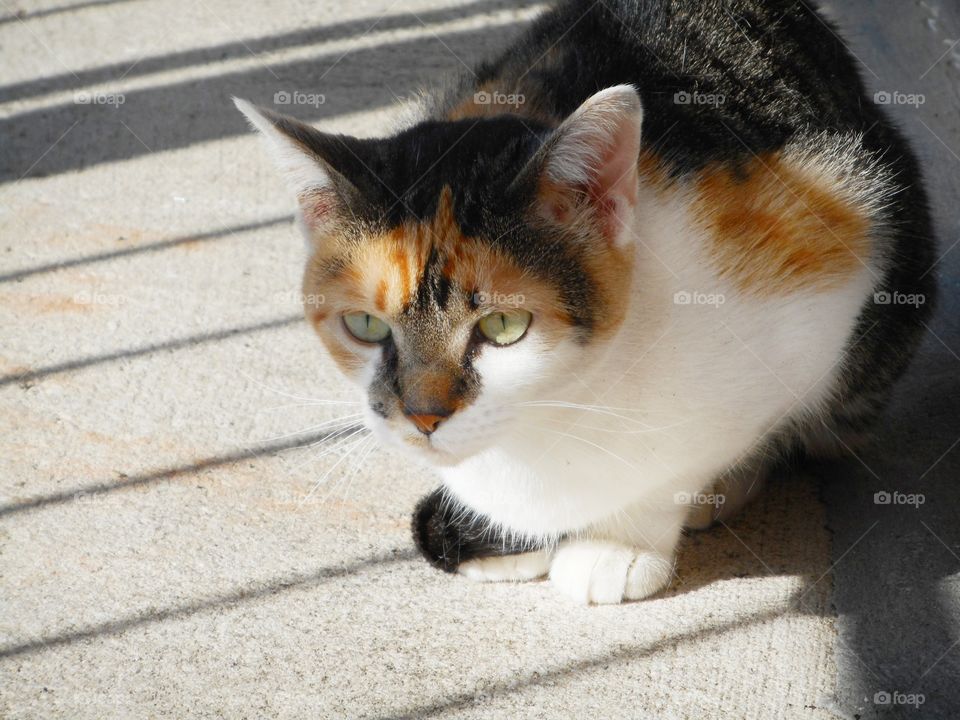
(614, 192)
(317, 205)
(617, 174)
(556, 207)
(606, 154)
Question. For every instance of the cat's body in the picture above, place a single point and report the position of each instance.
(745, 278)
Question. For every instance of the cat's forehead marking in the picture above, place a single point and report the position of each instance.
(778, 227)
(410, 265)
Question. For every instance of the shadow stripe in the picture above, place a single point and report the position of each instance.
(189, 341)
(243, 49)
(22, 16)
(65, 496)
(490, 692)
(152, 247)
(275, 587)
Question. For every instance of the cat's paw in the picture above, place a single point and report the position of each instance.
(507, 568)
(603, 573)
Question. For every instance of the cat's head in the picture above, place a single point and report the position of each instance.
(466, 266)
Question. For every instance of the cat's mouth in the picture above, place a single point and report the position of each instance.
(432, 451)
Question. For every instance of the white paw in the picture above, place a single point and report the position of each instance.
(593, 571)
(507, 568)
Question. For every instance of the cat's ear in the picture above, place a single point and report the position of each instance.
(592, 158)
(308, 159)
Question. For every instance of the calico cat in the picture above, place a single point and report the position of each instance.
(605, 282)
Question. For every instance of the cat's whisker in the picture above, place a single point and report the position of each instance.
(642, 431)
(354, 454)
(351, 447)
(345, 421)
(311, 404)
(599, 409)
(336, 435)
(567, 403)
(338, 444)
(572, 436)
(363, 453)
(286, 394)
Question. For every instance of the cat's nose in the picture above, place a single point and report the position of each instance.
(425, 422)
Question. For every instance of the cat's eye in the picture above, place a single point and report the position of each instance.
(366, 327)
(505, 328)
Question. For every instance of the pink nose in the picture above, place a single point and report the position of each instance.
(425, 423)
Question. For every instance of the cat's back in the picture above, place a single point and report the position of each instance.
(719, 79)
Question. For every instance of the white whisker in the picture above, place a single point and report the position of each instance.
(310, 404)
(599, 409)
(345, 421)
(333, 467)
(363, 452)
(283, 393)
(588, 442)
(327, 473)
(338, 444)
(641, 431)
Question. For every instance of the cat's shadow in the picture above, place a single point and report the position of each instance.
(781, 533)
(873, 538)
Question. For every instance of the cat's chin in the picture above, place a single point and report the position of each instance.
(438, 458)
(429, 454)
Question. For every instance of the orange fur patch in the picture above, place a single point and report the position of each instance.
(381, 275)
(776, 229)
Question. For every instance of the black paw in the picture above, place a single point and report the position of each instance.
(447, 534)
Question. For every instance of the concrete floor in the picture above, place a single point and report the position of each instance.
(165, 547)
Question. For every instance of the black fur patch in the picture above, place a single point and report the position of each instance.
(447, 535)
(400, 178)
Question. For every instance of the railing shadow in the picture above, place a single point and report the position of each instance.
(71, 136)
(239, 49)
(220, 234)
(23, 16)
(88, 492)
(275, 586)
(27, 377)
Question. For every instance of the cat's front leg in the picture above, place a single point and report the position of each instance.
(457, 539)
(508, 568)
(631, 558)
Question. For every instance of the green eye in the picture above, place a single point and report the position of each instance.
(505, 328)
(366, 327)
